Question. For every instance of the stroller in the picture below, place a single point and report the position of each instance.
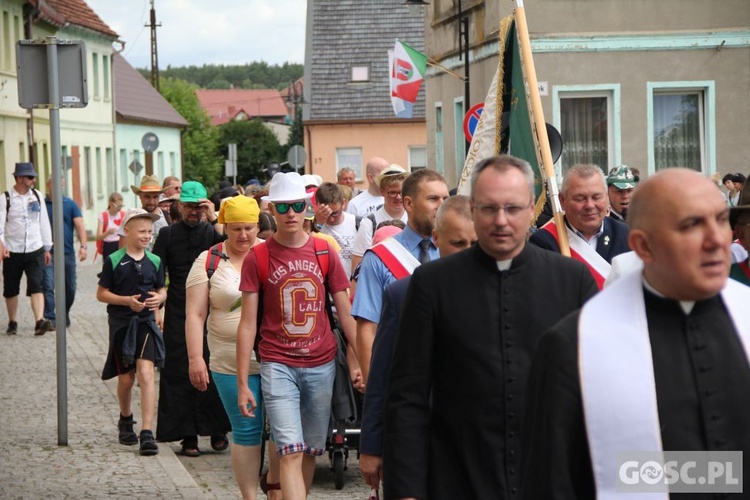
(346, 408)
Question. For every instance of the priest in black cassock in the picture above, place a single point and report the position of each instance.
(184, 411)
(658, 361)
(470, 322)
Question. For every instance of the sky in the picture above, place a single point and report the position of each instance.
(197, 32)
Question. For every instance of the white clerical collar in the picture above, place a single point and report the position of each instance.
(503, 265)
(686, 305)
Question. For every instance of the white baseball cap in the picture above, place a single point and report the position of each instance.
(138, 213)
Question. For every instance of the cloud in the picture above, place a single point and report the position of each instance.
(196, 32)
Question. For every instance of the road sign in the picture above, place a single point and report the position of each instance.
(33, 83)
(297, 157)
(471, 120)
(150, 142)
(135, 167)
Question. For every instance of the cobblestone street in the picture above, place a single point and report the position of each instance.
(94, 465)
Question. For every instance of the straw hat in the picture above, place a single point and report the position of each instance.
(149, 184)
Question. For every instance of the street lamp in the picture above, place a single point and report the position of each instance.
(463, 50)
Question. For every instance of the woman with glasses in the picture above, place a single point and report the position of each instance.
(107, 240)
(213, 287)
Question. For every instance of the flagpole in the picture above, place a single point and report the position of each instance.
(435, 64)
(535, 102)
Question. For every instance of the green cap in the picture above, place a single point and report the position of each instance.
(193, 192)
(622, 177)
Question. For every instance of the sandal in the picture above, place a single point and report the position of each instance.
(190, 447)
(265, 486)
(219, 443)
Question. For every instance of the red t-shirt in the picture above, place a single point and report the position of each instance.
(295, 329)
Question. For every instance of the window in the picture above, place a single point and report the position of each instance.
(21, 151)
(590, 128)
(160, 163)
(417, 157)
(88, 191)
(105, 74)
(458, 135)
(111, 174)
(361, 73)
(351, 158)
(173, 164)
(124, 169)
(2, 162)
(7, 43)
(95, 70)
(439, 158)
(45, 160)
(678, 131)
(99, 174)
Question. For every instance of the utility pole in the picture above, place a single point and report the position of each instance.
(154, 52)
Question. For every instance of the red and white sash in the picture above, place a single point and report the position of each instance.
(396, 258)
(617, 374)
(583, 252)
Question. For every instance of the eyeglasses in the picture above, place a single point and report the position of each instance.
(490, 211)
(297, 206)
(139, 271)
(393, 194)
(30, 177)
(192, 206)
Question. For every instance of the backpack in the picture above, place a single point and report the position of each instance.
(105, 223)
(215, 255)
(7, 201)
(371, 216)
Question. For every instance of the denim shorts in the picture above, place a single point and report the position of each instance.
(298, 405)
(246, 431)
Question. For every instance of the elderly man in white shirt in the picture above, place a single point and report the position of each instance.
(26, 239)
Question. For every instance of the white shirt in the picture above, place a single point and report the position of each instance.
(364, 235)
(344, 234)
(364, 203)
(27, 228)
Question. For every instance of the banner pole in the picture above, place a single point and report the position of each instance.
(535, 101)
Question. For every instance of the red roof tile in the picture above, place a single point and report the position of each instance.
(78, 13)
(137, 100)
(223, 105)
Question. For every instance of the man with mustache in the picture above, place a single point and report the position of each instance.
(594, 238)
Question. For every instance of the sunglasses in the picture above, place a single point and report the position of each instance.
(139, 271)
(297, 206)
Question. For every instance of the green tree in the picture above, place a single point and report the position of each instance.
(257, 146)
(201, 140)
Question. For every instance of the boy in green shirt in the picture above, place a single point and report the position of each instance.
(132, 284)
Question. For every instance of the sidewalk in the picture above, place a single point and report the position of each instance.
(94, 464)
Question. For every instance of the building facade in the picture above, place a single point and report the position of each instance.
(647, 84)
(347, 112)
(89, 136)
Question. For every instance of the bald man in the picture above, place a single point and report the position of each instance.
(371, 199)
(655, 363)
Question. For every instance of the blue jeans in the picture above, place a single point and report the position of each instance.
(298, 405)
(49, 287)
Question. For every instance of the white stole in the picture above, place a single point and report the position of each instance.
(617, 375)
(588, 253)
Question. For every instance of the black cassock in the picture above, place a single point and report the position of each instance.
(183, 410)
(454, 403)
(702, 382)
